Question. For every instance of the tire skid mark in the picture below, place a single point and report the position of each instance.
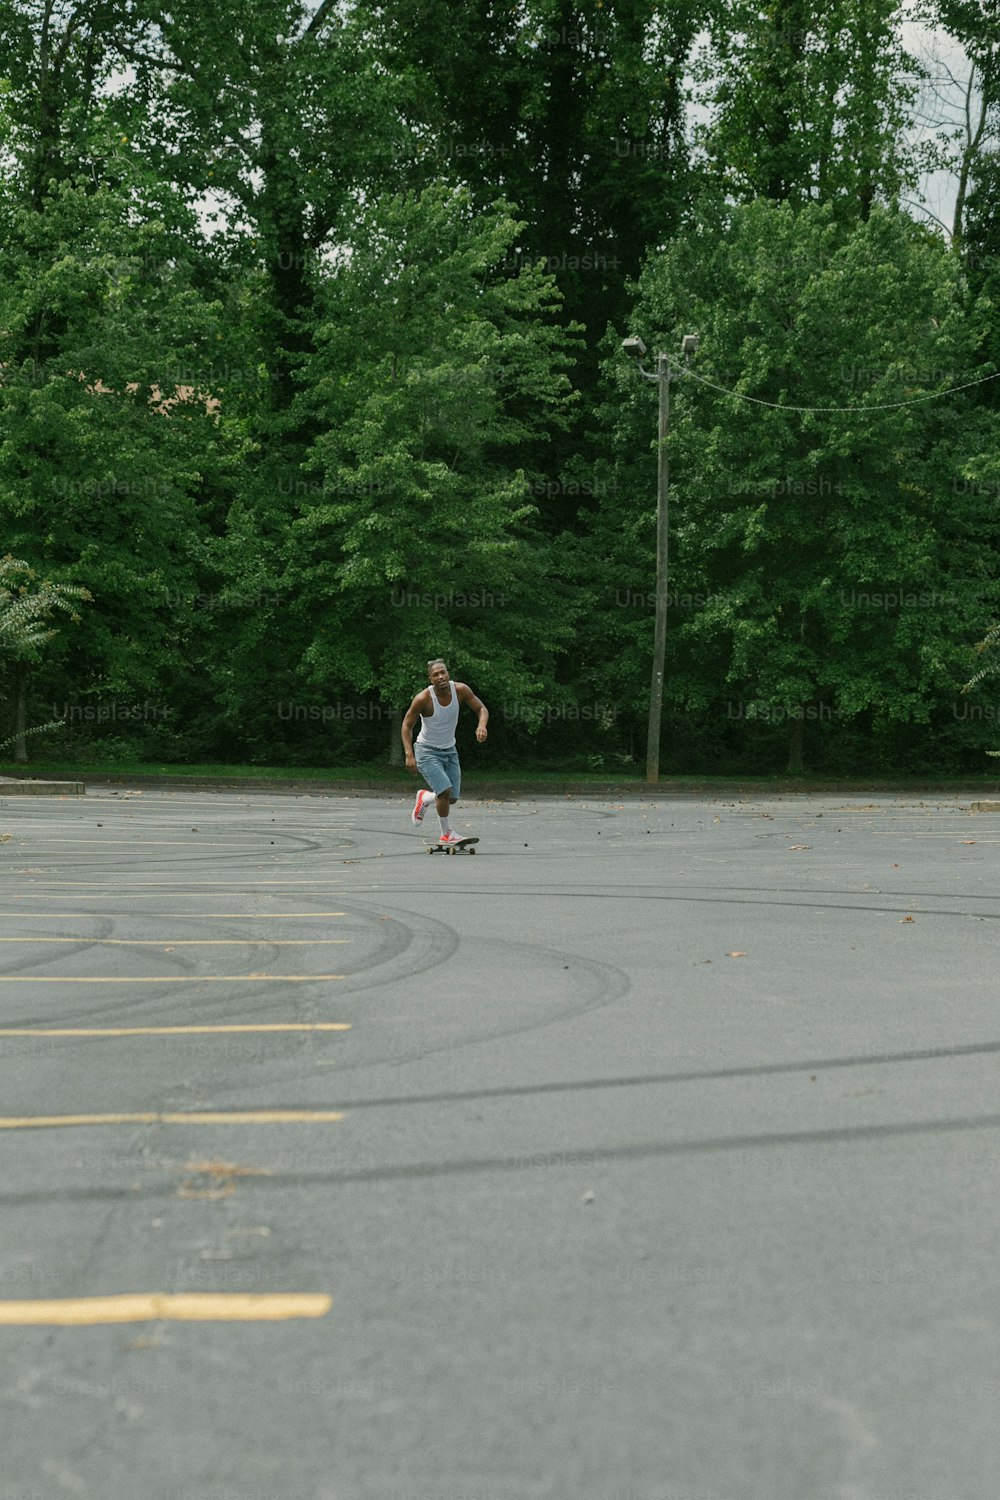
(84, 945)
(395, 936)
(605, 984)
(292, 846)
(638, 893)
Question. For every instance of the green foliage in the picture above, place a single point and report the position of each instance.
(574, 114)
(809, 101)
(989, 644)
(837, 560)
(25, 610)
(301, 314)
(436, 378)
(23, 734)
(106, 453)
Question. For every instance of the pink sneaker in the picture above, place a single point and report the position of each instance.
(451, 837)
(420, 806)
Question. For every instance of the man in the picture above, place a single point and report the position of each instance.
(434, 754)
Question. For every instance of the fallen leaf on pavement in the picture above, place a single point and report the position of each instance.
(220, 1177)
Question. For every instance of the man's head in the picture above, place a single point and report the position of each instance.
(437, 671)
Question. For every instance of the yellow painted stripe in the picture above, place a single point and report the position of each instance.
(41, 838)
(204, 1117)
(953, 835)
(145, 1307)
(173, 1030)
(167, 979)
(183, 942)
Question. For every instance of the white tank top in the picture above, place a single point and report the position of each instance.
(438, 730)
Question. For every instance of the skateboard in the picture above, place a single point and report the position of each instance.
(463, 846)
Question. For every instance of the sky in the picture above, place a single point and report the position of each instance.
(941, 101)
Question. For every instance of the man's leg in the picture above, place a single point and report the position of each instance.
(440, 766)
(451, 795)
(443, 803)
(423, 799)
(430, 768)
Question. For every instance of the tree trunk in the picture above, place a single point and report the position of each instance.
(21, 714)
(796, 731)
(395, 743)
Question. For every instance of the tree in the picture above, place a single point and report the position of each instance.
(111, 466)
(809, 101)
(969, 143)
(25, 613)
(962, 106)
(437, 377)
(841, 557)
(103, 465)
(576, 116)
(273, 113)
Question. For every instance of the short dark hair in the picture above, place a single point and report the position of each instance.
(437, 661)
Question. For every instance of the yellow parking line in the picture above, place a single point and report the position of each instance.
(205, 1117)
(156, 979)
(184, 942)
(31, 894)
(173, 1030)
(145, 1307)
(41, 838)
(954, 834)
(190, 916)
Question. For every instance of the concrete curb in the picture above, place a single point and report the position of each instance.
(11, 787)
(506, 790)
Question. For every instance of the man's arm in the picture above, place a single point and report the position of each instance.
(468, 697)
(409, 724)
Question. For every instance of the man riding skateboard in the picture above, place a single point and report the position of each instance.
(434, 754)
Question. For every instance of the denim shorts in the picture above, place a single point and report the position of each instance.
(439, 768)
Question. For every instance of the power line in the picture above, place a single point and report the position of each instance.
(857, 410)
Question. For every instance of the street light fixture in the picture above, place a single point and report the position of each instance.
(636, 349)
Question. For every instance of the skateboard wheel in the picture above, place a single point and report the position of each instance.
(471, 850)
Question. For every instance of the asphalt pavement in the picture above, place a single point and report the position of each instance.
(650, 1153)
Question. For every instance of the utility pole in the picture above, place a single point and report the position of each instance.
(636, 348)
(662, 573)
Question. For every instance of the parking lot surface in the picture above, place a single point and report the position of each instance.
(651, 1153)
